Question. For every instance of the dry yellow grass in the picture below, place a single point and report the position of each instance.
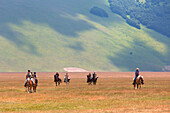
(113, 93)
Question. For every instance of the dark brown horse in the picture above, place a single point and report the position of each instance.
(138, 82)
(94, 79)
(35, 85)
(89, 80)
(57, 80)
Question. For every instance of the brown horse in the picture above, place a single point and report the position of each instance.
(138, 82)
(29, 85)
(35, 85)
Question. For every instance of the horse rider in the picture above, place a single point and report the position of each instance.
(56, 76)
(94, 75)
(32, 78)
(35, 78)
(136, 75)
(66, 77)
(28, 76)
(88, 77)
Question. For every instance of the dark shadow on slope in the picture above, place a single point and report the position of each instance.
(78, 46)
(130, 63)
(42, 12)
(142, 56)
(17, 39)
(39, 12)
(165, 60)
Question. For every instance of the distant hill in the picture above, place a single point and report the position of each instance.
(51, 35)
(154, 14)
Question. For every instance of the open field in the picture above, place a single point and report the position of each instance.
(113, 93)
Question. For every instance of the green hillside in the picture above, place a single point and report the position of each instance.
(50, 35)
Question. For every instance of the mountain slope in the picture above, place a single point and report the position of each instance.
(51, 35)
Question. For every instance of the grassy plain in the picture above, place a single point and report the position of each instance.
(113, 93)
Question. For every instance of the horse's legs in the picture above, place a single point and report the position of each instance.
(26, 89)
(140, 86)
(56, 83)
(31, 89)
(34, 88)
(137, 86)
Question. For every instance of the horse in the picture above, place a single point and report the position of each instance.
(94, 79)
(66, 79)
(57, 80)
(29, 85)
(138, 82)
(89, 80)
(35, 85)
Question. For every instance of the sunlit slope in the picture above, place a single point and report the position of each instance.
(51, 35)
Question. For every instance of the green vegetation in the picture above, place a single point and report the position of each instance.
(154, 14)
(98, 12)
(52, 35)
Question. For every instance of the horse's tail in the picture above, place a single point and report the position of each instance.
(142, 79)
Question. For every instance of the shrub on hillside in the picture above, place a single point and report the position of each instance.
(98, 12)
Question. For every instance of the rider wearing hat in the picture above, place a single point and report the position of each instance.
(136, 75)
(28, 75)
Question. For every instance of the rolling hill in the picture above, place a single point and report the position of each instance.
(51, 35)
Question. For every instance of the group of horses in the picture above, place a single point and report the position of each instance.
(30, 86)
(57, 80)
(92, 80)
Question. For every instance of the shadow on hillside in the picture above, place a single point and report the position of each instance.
(166, 60)
(77, 46)
(45, 12)
(142, 56)
(16, 38)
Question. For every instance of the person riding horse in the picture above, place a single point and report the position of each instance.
(89, 77)
(29, 76)
(136, 75)
(94, 79)
(35, 78)
(57, 79)
(94, 76)
(66, 78)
